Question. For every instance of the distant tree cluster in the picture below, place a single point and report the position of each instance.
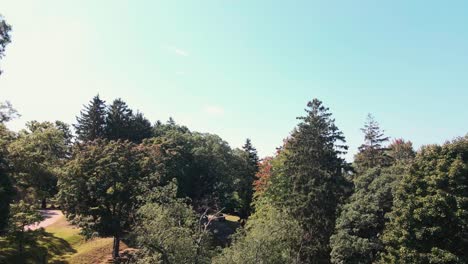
(392, 205)
(113, 122)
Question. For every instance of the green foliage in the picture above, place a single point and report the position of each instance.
(401, 152)
(213, 172)
(121, 123)
(429, 221)
(312, 184)
(271, 235)
(247, 178)
(169, 231)
(207, 170)
(6, 186)
(91, 123)
(357, 238)
(101, 186)
(36, 157)
(161, 129)
(7, 112)
(359, 227)
(5, 38)
(372, 153)
(21, 215)
(118, 120)
(115, 122)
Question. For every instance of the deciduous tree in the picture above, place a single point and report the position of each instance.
(429, 221)
(101, 186)
(271, 235)
(36, 157)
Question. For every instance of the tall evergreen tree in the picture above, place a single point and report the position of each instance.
(359, 227)
(317, 185)
(118, 120)
(140, 128)
(91, 122)
(372, 152)
(247, 189)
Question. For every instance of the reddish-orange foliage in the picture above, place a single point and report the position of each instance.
(263, 174)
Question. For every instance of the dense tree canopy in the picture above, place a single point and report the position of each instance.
(317, 184)
(429, 221)
(169, 231)
(36, 157)
(6, 187)
(272, 235)
(174, 193)
(101, 186)
(359, 228)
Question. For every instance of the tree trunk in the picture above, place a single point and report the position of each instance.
(44, 203)
(115, 248)
(20, 241)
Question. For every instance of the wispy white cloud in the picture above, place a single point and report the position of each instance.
(213, 110)
(178, 51)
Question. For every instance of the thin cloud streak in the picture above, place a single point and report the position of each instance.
(178, 51)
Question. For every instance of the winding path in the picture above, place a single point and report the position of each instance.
(50, 217)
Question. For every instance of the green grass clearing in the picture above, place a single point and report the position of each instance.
(61, 242)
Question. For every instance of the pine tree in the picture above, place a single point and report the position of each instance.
(247, 188)
(372, 153)
(317, 186)
(119, 120)
(91, 122)
(140, 128)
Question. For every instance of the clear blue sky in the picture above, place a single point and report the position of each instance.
(245, 68)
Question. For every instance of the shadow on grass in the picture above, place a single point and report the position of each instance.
(39, 247)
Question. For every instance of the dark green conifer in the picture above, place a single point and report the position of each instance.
(91, 123)
(315, 166)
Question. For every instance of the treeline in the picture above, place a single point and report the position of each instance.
(391, 205)
(157, 186)
(116, 167)
(161, 186)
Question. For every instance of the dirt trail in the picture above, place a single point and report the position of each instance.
(50, 217)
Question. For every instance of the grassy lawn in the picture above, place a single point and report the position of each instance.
(62, 243)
